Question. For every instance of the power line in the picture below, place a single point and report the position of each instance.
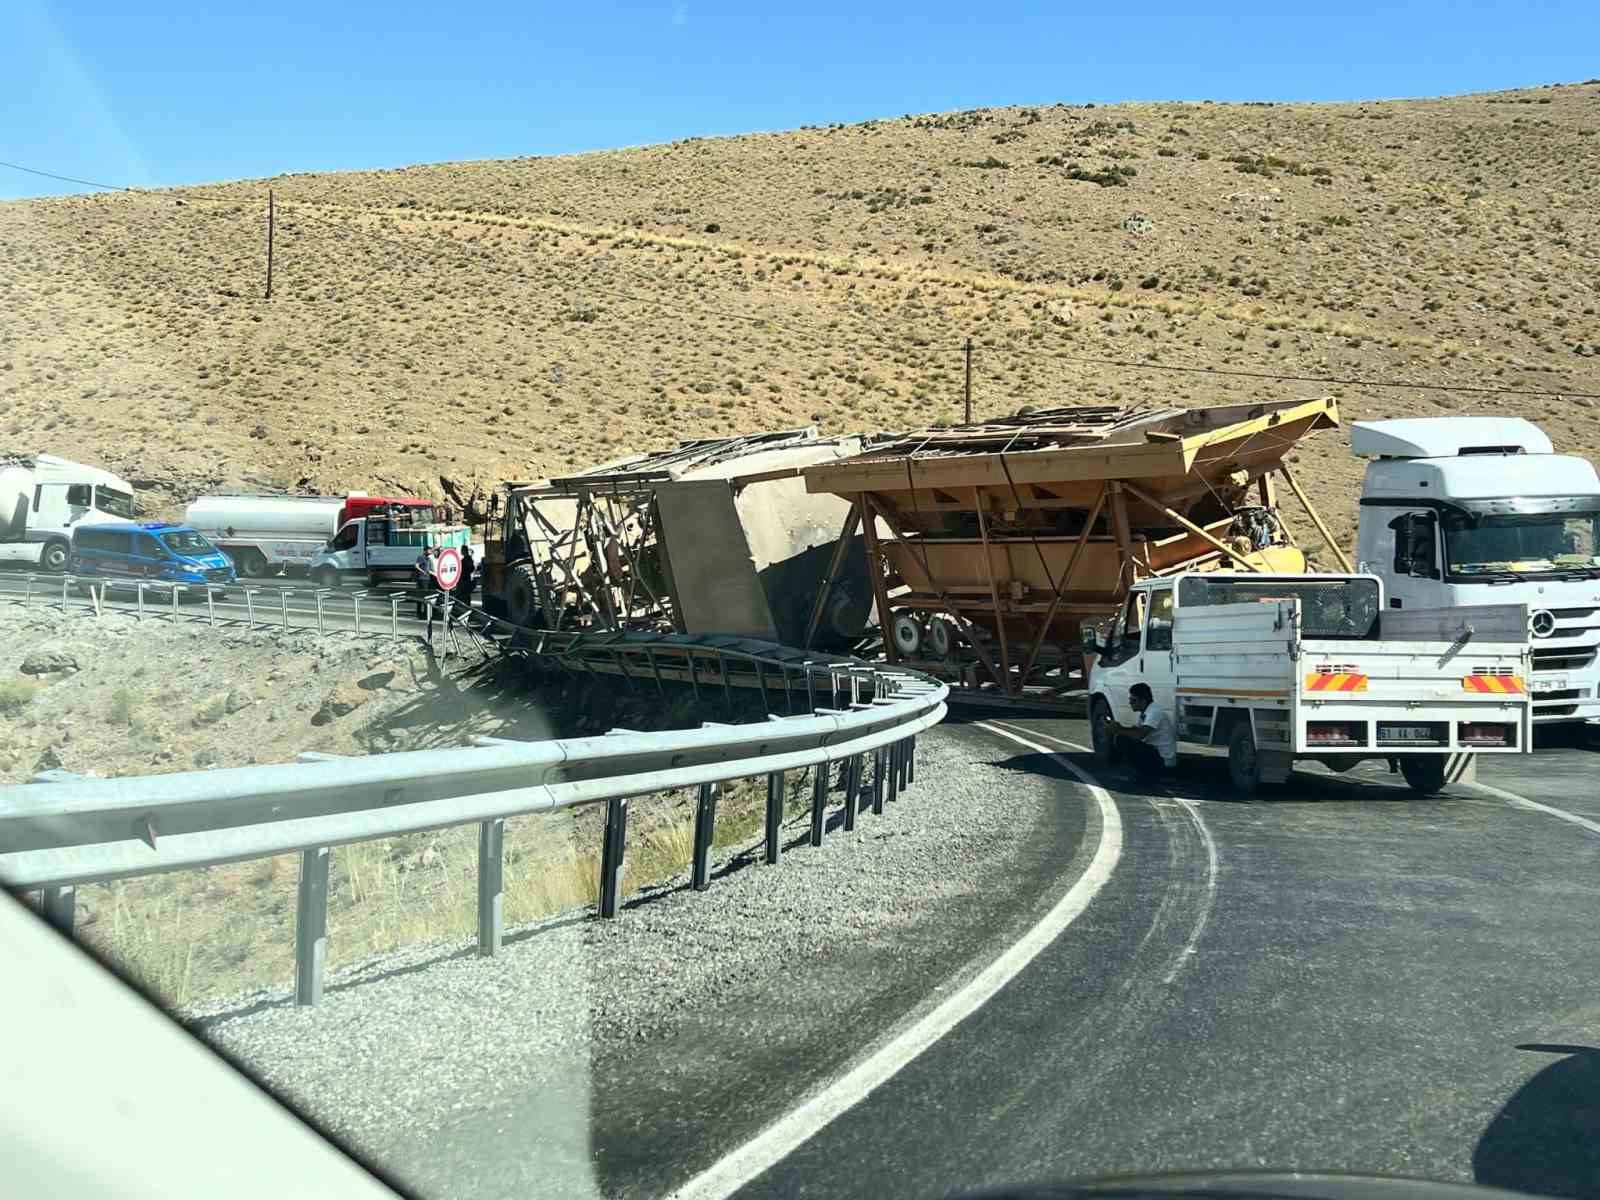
(110, 187)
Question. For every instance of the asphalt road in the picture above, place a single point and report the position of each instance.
(1343, 977)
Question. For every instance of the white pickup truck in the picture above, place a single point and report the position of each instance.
(1284, 667)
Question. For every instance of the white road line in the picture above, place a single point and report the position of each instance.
(1517, 801)
(793, 1130)
(1193, 810)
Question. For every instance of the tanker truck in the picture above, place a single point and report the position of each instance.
(265, 534)
(44, 498)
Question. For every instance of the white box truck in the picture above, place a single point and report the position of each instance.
(1468, 511)
(44, 498)
(1284, 667)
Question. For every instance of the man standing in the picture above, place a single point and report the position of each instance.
(422, 578)
(1151, 744)
(465, 584)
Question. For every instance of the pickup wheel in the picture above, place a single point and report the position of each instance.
(1424, 773)
(1101, 737)
(252, 564)
(1244, 763)
(327, 577)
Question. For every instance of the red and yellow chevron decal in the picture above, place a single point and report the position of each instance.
(1498, 684)
(1336, 681)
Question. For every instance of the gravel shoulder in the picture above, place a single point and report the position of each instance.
(618, 1058)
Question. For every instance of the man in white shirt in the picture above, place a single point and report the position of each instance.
(1152, 743)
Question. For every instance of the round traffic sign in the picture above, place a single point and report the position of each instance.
(448, 572)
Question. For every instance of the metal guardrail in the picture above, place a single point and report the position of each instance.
(90, 830)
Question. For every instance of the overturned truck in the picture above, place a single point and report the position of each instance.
(716, 535)
(992, 545)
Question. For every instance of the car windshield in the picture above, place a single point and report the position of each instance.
(187, 542)
(1335, 608)
(1523, 543)
(110, 500)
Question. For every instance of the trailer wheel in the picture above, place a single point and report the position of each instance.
(1424, 773)
(1244, 762)
(54, 556)
(941, 638)
(907, 633)
(1101, 737)
(251, 563)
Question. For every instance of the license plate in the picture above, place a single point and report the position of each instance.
(1549, 683)
(1410, 733)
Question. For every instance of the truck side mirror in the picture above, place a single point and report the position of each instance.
(1091, 641)
(1415, 545)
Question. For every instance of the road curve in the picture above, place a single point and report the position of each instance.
(1343, 977)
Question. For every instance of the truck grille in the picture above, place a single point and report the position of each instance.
(1562, 658)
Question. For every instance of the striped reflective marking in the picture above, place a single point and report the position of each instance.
(1500, 685)
(1336, 681)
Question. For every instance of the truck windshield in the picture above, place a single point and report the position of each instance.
(186, 542)
(1521, 543)
(113, 502)
(1329, 608)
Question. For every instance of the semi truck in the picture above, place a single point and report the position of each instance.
(44, 498)
(266, 534)
(1284, 667)
(384, 544)
(1470, 511)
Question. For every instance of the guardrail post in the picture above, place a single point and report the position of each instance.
(59, 906)
(852, 789)
(892, 779)
(321, 592)
(394, 619)
(250, 605)
(819, 801)
(311, 926)
(705, 824)
(65, 580)
(27, 590)
(140, 589)
(611, 851)
(491, 885)
(911, 760)
(283, 604)
(774, 815)
(355, 604)
(211, 605)
(880, 772)
(177, 593)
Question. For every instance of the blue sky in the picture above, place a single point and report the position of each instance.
(160, 93)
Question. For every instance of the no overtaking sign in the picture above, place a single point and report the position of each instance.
(448, 572)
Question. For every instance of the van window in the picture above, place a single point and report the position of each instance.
(148, 547)
(186, 541)
(106, 541)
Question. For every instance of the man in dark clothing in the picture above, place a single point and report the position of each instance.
(469, 578)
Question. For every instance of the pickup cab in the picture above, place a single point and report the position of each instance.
(371, 547)
(1280, 668)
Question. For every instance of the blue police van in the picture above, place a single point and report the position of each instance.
(148, 550)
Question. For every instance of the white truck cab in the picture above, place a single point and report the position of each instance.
(43, 499)
(1468, 511)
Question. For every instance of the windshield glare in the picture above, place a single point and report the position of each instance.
(1335, 608)
(113, 502)
(186, 542)
(1521, 542)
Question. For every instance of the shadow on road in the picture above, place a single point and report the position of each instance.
(1546, 1140)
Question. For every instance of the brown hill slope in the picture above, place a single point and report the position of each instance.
(505, 319)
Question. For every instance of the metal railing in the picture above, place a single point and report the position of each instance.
(90, 830)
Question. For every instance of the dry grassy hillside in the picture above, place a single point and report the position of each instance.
(508, 319)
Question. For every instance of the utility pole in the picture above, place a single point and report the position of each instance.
(969, 382)
(269, 244)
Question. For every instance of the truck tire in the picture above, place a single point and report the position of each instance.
(328, 577)
(522, 597)
(907, 633)
(1424, 773)
(1102, 739)
(252, 564)
(53, 557)
(1244, 761)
